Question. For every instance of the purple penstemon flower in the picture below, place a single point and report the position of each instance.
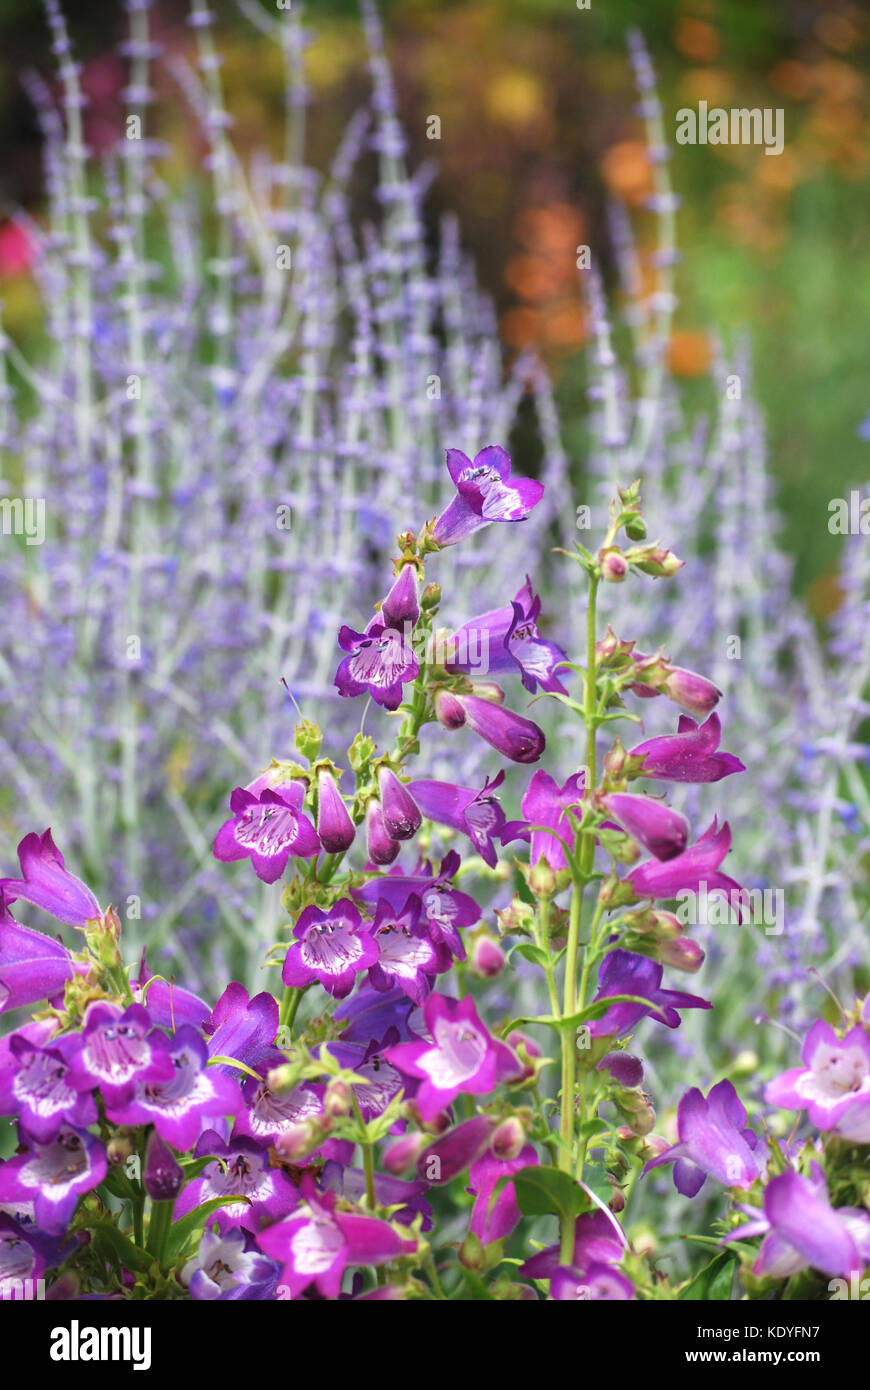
(32, 966)
(713, 1141)
(243, 1171)
(118, 1049)
(168, 1005)
(381, 848)
(507, 639)
(493, 1217)
(695, 693)
(462, 1059)
(381, 661)
(47, 883)
(332, 946)
(54, 1175)
(624, 972)
(485, 492)
(229, 1267)
(834, 1080)
(407, 955)
(179, 1105)
(802, 1230)
(661, 830)
(687, 872)
(445, 908)
(317, 1244)
(546, 804)
(242, 1027)
(690, 755)
(476, 813)
(267, 827)
(36, 1084)
(409, 1197)
(509, 733)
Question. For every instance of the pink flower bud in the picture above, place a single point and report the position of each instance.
(335, 829)
(400, 811)
(508, 1140)
(487, 959)
(381, 847)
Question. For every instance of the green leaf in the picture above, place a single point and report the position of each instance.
(713, 1282)
(181, 1231)
(592, 1011)
(542, 1191)
(530, 952)
(130, 1255)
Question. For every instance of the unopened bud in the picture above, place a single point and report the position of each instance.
(508, 1139)
(613, 566)
(163, 1177)
(486, 959)
(683, 954)
(338, 1100)
(403, 1154)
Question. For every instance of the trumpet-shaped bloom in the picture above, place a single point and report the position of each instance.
(507, 640)
(32, 966)
(834, 1080)
(485, 492)
(802, 1230)
(318, 1243)
(381, 661)
(690, 755)
(687, 872)
(714, 1141)
(624, 972)
(52, 1176)
(48, 884)
(475, 813)
(657, 827)
(332, 946)
(36, 1084)
(509, 733)
(462, 1059)
(267, 827)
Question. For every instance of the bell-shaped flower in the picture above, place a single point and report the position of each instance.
(485, 492)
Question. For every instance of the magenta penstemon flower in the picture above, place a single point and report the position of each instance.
(802, 1230)
(119, 1048)
(47, 883)
(407, 956)
(657, 827)
(32, 966)
(714, 1141)
(476, 813)
(690, 755)
(381, 661)
(332, 946)
(317, 1244)
(688, 871)
(51, 1177)
(508, 640)
(833, 1085)
(36, 1084)
(445, 909)
(462, 1059)
(545, 807)
(192, 1092)
(267, 827)
(485, 492)
(241, 1169)
(624, 972)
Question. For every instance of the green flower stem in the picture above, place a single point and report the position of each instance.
(571, 1000)
(289, 1006)
(158, 1227)
(542, 940)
